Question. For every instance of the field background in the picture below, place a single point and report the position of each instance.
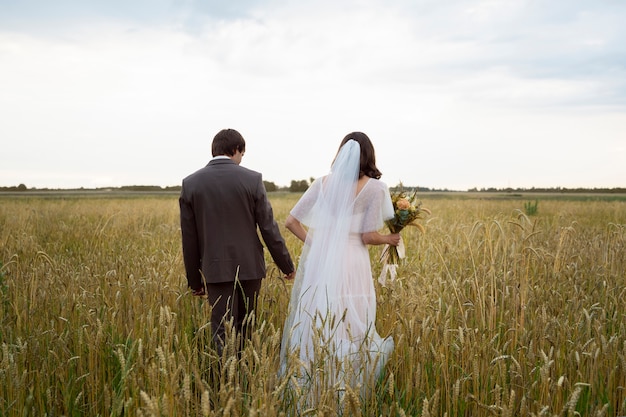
(496, 313)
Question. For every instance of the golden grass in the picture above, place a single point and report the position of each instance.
(494, 313)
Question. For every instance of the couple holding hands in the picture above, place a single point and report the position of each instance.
(332, 310)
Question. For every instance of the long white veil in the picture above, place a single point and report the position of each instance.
(330, 340)
(313, 307)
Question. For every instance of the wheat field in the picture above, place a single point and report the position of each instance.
(495, 313)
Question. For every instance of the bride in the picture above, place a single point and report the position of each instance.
(329, 340)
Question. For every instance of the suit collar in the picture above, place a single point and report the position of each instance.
(220, 161)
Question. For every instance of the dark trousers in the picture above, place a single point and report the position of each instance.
(232, 300)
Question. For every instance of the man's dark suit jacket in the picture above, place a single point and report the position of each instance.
(221, 206)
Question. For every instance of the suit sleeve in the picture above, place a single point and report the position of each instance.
(270, 231)
(191, 246)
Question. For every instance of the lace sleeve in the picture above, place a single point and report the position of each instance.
(303, 211)
(375, 206)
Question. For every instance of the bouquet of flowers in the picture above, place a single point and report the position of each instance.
(406, 213)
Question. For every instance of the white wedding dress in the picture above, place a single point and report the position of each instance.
(330, 339)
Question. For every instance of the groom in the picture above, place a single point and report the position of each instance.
(221, 206)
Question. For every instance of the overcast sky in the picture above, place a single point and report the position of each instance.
(454, 94)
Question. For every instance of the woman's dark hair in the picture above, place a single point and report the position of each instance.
(228, 142)
(368, 157)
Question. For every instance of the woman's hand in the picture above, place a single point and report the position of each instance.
(393, 239)
(375, 238)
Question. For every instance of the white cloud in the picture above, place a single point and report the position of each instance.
(457, 95)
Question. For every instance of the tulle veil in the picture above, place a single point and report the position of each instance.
(333, 343)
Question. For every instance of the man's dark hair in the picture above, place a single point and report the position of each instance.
(228, 142)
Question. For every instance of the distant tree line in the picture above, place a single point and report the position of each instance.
(616, 190)
(149, 188)
(299, 186)
(134, 188)
(296, 186)
(20, 187)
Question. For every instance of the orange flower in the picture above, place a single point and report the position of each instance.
(403, 204)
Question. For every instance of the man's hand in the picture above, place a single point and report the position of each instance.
(290, 276)
(199, 292)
